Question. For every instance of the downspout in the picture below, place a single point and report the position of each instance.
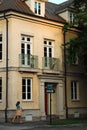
(65, 73)
(6, 106)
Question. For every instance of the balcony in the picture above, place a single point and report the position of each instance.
(28, 63)
(50, 65)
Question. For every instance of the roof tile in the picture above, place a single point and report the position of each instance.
(22, 7)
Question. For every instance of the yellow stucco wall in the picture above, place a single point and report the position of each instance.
(39, 31)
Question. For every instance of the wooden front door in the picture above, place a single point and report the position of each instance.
(46, 102)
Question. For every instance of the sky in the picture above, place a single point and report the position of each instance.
(57, 1)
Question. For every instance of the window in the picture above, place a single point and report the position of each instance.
(0, 88)
(0, 47)
(48, 48)
(48, 52)
(37, 8)
(75, 59)
(71, 17)
(26, 49)
(26, 89)
(74, 90)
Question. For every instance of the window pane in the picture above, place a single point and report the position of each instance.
(22, 48)
(50, 52)
(71, 90)
(75, 92)
(28, 38)
(28, 49)
(35, 10)
(23, 95)
(0, 38)
(28, 89)
(23, 82)
(28, 96)
(45, 52)
(0, 96)
(29, 82)
(0, 47)
(23, 38)
(0, 89)
(45, 42)
(24, 88)
(39, 8)
(50, 43)
(0, 55)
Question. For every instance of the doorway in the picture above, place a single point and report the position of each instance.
(53, 100)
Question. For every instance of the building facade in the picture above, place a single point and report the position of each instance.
(32, 62)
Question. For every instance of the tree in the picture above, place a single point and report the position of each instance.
(78, 47)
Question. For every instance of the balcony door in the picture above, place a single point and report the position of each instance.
(48, 53)
(26, 50)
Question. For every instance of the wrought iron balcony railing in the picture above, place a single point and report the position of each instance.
(51, 63)
(30, 61)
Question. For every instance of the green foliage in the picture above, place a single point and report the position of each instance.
(69, 122)
(65, 27)
(71, 51)
(81, 9)
(78, 47)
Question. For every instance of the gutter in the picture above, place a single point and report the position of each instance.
(6, 106)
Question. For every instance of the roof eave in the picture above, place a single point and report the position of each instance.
(32, 15)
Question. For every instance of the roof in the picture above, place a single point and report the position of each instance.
(65, 5)
(14, 5)
(50, 12)
(21, 7)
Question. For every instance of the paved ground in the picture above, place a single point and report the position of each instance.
(39, 125)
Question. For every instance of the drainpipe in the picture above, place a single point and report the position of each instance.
(6, 107)
(65, 75)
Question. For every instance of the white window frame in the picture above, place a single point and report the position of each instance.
(26, 42)
(48, 46)
(75, 90)
(1, 48)
(71, 17)
(26, 85)
(1, 89)
(37, 8)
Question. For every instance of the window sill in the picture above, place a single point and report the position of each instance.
(75, 100)
(27, 100)
(0, 101)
